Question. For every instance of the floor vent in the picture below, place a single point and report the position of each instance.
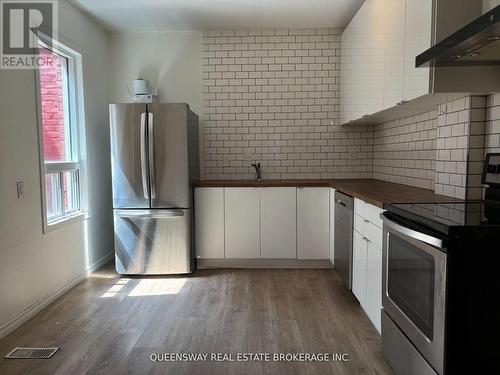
(31, 353)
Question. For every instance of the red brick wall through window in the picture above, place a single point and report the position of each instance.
(52, 102)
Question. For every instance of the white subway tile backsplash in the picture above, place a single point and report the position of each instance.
(404, 150)
(273, 95)
(277, 89)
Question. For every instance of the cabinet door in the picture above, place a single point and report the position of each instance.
(350, 60)
(278, 225)
(332, 225)
(418, 37)
(242, 222)
(209, 222)
(359, 259)
(362, 63)
(374, 284)
(392, 14)
(373, 59)
(313, 223)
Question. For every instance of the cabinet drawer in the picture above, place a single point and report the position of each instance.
(359, 207)
(373, 233)
(372, 213)
(359, 224)
(368, 211)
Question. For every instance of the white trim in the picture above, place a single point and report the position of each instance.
(78, 137)
(204, 263)
(55, 167)
(34, 309)
(62, 221)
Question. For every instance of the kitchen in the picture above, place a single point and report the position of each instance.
(295, 127)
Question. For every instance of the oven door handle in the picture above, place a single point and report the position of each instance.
(412, 233)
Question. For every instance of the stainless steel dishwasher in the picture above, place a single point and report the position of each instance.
(344, 221)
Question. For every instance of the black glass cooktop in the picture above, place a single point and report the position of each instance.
(443, 216)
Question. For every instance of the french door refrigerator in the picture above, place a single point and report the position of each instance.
(154, 157)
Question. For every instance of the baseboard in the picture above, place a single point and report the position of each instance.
(264, 263)
(31, 311)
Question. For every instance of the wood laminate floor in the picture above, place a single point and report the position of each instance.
(111, 325)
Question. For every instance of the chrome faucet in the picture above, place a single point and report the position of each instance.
(258, 170)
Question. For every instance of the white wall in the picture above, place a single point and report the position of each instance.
(34, 265)
(171, 61)
(489, 5)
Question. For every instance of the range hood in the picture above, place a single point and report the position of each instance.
(478, 43)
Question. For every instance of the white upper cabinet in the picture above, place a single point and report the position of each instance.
(242, 229)
(391, 13)
(313, 223)
(209, 222)
(362, 63)
(372, 54)
(418, 37)
(379, 48)
(278, 225)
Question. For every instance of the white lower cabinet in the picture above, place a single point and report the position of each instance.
(313, 223)
(367, 260)
(359, 256)
(278, 224)
(332, 226)
(374, 284)
(209, 222)
(267, 223)
(242, 223)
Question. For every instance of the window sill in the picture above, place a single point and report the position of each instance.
(64, 221)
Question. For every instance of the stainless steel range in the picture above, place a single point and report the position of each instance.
(440, 265)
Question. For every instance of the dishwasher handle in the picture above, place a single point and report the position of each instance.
(338, 201)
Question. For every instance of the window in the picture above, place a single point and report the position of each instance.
(61, 137)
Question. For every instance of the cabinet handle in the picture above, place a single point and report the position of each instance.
(366, 221)
(364, 116)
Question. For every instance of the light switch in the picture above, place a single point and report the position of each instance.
(20, 189)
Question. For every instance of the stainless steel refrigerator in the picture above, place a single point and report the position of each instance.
(154, 157)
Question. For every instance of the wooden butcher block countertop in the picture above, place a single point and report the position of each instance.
(376, 192)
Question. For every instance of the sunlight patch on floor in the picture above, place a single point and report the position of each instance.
(115, 288)
(157, 287)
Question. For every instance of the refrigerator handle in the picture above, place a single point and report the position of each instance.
(150, 214)
(144, 175)
(151, 154)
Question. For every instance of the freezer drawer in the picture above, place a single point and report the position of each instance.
(153, 242)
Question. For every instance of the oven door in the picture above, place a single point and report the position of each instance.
(414, 288)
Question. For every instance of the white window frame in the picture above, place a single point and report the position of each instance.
(78, 139)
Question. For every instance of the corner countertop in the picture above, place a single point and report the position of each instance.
(376, 192)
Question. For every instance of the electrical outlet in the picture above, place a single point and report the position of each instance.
(443, 109)
(20, 189)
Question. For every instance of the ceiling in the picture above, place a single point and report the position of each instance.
(156, 15)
